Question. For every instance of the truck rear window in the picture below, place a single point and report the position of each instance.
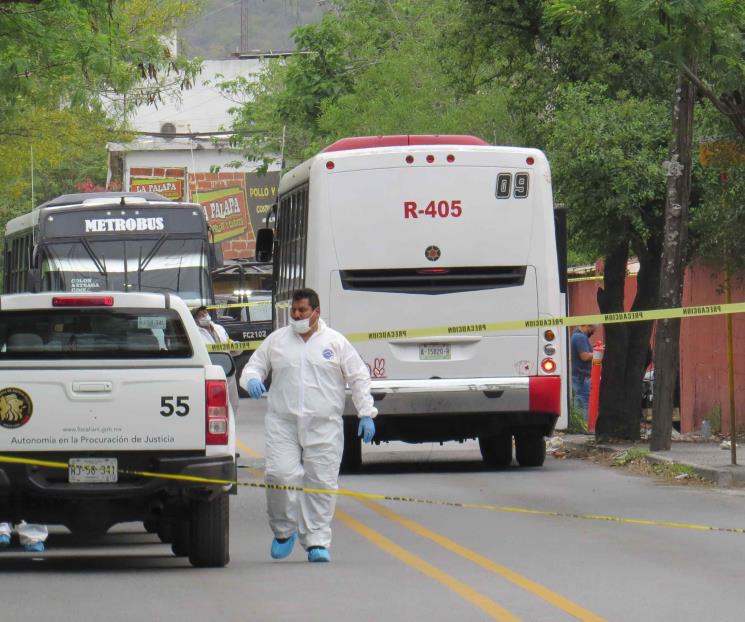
(93, 333)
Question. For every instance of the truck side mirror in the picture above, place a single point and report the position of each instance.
(264, 244)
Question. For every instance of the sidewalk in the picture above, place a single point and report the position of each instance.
(705, 458)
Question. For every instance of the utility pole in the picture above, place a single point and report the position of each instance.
(244, 27)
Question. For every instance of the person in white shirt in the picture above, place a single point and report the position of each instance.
(213, 333)
(311, 365)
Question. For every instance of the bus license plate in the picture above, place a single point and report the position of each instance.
(92, 470)
(434, 352)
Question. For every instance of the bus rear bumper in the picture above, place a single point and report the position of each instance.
(459, 408)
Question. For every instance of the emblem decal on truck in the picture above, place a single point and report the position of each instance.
(15, 407)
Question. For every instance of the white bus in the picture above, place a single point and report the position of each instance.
(414, 232)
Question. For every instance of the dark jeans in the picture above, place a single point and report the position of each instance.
(581, 390)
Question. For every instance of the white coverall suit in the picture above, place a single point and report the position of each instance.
(28, 533)
(304, 431)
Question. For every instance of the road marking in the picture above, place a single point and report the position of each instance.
(494, 610)
(566, 605)
(247, 450)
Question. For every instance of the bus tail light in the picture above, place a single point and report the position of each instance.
(548, 365)
(330, 165)
(545, 394)
(430, 158)
(83, 301)
(530, 160)
(549, 349)
(450, 158)
(549, 335)
(217, 412)
(409, 159)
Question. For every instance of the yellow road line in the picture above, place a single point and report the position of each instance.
(551, 597)
(494, 610)
(247, 450)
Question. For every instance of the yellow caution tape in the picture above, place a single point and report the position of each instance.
(577, 320)
(234, 345)
(579, 279)
(238, 305)
(383, 497)
(478, 328)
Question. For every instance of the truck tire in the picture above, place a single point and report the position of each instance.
(210, 532)
(181, 538)
(530, 449)
(351, 459)
(496, 450)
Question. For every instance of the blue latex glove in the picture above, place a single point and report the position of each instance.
(366, 429)
(255, 388)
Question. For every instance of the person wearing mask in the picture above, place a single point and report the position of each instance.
(311, 365)
(213, 333)
(582, 365)
(31, 536)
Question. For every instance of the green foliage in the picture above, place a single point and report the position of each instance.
(606, 155)
(63, 57)
(577, 423)
(630, 456)
(714, 415)
(366, 68)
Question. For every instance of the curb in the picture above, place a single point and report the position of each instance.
(724, 476)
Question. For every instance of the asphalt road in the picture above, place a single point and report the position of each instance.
(411, 561)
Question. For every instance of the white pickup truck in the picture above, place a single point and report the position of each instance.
(109, 386)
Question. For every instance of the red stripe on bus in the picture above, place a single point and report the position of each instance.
(402, 140)
(545, 394)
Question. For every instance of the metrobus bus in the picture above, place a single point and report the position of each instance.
(446, 234)
(114, 241)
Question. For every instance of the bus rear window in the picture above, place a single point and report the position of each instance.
(93, 333)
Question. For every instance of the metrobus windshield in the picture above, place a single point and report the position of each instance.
(179, 266)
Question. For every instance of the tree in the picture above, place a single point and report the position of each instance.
(366, 68)
(615, 197)
(59, 61)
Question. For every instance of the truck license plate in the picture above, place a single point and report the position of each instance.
(92, 470)
(434, 352)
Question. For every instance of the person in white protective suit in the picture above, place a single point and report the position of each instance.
(212, 333)
(311, 364)
(30, 536)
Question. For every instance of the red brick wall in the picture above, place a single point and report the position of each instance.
(240, 247)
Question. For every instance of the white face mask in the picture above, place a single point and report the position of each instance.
(204, 322)
(300, 326)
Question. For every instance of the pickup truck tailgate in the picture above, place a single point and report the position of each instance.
(153, 408)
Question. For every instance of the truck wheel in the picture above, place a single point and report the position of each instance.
(164, 530)
(351, 459)
(210, 532)
(530, 449)
(181, 538)
(496, 450)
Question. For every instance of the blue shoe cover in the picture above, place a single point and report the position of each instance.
(319, 554)
(34, 547)
(4, 541)
(280, 550)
